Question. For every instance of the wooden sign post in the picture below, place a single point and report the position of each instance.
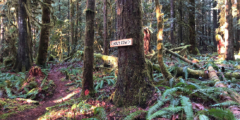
(123, 42)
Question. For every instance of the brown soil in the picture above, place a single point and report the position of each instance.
(60, 91)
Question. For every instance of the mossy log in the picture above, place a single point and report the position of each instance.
(232, 74)
(182, 58)
(213, 76)
(28, 101)
(177, 55)
(180, 48)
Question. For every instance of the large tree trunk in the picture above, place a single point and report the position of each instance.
(134, 82)
(192, 33)
(238, 30)
(167, 75)
(23, 61)
(173, 22)
(87, 85)
(105, 36)
(44, 35)
(214, 24)
(2, 30)
(73, 42)
(229, 31)
(181, 20)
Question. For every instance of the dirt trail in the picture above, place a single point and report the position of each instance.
(60, 91)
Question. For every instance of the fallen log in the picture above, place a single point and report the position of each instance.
(213, 76)
(182, 58)
(180, 48)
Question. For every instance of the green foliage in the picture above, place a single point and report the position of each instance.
(187, 106)
(227, 103)
(221, 114)
(110, 80)
(134, 115)
(101, 113)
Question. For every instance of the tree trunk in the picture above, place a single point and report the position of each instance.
(73, 42)
(76, 27)
(2, 39)
(229, 31)
(134, 82)
(173, 22)
(192, 33)
(87, 85)
(44, 35)
(105, 36)
(181, 20)
(238, 30)
(23, 61)
(167, 75)
(214, 24)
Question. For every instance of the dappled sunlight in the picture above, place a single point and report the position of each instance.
(75, 112)
(68, 96)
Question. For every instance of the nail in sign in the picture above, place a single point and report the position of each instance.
(123, 42)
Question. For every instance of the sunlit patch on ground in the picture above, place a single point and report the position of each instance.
(68, 96)
(80, 110)
(12, 106)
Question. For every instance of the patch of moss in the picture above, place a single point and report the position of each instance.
(12, 106)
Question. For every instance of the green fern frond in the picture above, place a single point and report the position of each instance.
(227, 103)
(203, 117)
(133, 115)
(101, 113)
(187, 106)
(158, 113)
(173, 109)
(155, 107)
(173, 90)
(221, 114)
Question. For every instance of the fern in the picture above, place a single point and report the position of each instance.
(221, 114)
(203, 117)
(227, 103)
(158, 113)
(187, 106)
(155, 107)
(100, 112)
(173, 90)
(133, 115)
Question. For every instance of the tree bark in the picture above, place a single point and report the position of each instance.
(23, 61)
(45, 33)
(167, 75)
(173, 21)
(214, 24)
(105, 36)
(87, 85)
(73, 42)
(238, 30)
(229, 31)
(181, 20)
(192, 33)
(134, 82)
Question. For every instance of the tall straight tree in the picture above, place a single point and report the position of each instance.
(167, 75)
(23, 61)
(229, 31)
(215, 25)
(105, 22)
(45, 32)
(173, 22)
(87, 84)
(238, 30)
(192, 33)
(73, 43)
(133, 85)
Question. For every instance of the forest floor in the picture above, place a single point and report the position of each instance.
(191, 96)
(60, 92)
